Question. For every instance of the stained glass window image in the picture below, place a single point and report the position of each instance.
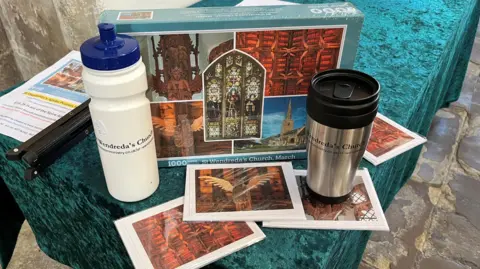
(234, 89)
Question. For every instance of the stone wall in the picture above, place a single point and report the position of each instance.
(9, 73)
(35, 34)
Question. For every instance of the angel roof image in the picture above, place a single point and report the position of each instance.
(242, 190)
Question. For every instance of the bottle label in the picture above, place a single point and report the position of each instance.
(336, 141)
(127, 147)
(336, 147)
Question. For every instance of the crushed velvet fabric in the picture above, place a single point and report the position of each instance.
(418, 50)
(11, 220)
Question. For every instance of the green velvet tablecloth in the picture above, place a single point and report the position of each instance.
(418, 50)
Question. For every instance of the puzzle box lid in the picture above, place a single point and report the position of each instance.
(245, 18)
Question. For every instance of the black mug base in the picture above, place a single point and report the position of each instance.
(329, 200)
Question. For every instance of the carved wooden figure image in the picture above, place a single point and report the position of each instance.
(178, 130)
(176, 76)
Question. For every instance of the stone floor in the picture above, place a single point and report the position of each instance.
(434, 219)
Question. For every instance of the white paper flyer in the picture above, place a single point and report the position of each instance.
(44, 99)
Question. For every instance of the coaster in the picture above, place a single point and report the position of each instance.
(362, 211)
(157, 238)
(389, 139)
(242, 192)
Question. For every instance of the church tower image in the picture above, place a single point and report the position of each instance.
(287, 124)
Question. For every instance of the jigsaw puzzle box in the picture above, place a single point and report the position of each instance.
(229, 84)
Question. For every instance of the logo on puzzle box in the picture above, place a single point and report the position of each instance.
(138, 15)
(334, 11)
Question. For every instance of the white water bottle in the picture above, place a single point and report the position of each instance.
(114, 77)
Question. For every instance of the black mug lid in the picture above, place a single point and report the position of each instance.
(343, 98)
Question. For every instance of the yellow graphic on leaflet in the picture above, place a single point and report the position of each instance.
(52, 100)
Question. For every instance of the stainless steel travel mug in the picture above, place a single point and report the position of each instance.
(341, 107)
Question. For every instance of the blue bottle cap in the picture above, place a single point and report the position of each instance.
(109, 51)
